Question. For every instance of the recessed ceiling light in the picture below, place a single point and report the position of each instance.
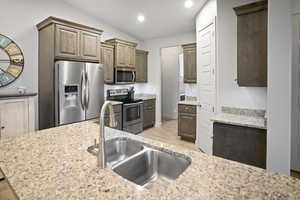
(188, 3)
(141, 18)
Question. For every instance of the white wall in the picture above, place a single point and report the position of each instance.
(207, 13)
(154, 64)
(229, 93)
(296, 6)
(170, 81)
(279, 86)
(19, 25)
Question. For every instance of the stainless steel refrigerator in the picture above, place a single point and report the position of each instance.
(79, 89)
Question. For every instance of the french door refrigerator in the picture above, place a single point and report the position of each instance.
(79, 89)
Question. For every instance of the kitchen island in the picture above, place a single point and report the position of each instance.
(54, 164)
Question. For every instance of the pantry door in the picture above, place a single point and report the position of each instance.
(206, 62)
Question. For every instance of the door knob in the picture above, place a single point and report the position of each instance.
(2, 127)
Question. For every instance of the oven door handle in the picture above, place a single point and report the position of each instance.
(132, 104)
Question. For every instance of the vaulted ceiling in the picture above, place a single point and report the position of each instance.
(162, 17)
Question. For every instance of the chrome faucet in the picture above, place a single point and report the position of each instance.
(101, 157)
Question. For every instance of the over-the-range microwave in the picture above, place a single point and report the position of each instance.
(124, 75)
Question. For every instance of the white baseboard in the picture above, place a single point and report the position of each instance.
(158, 124)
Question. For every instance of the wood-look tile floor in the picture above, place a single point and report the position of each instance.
(168, 133)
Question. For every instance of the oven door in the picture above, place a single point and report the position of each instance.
(132, 113)
(124, 75)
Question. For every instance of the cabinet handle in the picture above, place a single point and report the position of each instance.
(2, 127)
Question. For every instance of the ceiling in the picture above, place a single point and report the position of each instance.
(162, 17)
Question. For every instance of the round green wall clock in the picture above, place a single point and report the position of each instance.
(11, 61)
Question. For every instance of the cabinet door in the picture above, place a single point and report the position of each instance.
(90, 46)
(190, 67)
(67, 42)
(14, 117)
(141, 66)
(187, 125)
(108, 63)
(252, 49)
(121, 55)
(149, 117)
(131, 56)
(241, 144)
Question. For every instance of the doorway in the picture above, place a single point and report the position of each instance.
(170, 81)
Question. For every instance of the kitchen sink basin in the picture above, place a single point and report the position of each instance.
(150, 166)
(141, 163)
(118, 149)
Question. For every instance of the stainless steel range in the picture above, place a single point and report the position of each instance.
(132, 109)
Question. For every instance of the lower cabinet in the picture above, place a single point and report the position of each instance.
(118, 117)
(149, 113)
(241, 144)
(187, 119)
(16, 117)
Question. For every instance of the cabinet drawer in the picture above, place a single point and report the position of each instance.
(149, 103)
(187, 109)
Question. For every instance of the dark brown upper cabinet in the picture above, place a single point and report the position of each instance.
(107, 59)
(252, 23)
(190, 63)
(124, 53)
(141, 65)
(73, 41)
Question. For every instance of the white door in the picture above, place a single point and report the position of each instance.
(295, 157)
(206, 87)
(14, 117)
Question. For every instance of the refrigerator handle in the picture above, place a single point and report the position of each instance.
(82, 92)
(87, 92)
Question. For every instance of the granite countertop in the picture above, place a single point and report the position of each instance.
(242, 117)
(16, 95)
(54, 164)
(145, 96)
(240, 120)
(186, 102)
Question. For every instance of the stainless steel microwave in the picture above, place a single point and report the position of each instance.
(124, 75)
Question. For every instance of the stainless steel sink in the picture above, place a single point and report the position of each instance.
(118, 149)
(152, 166)
(141, 163)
